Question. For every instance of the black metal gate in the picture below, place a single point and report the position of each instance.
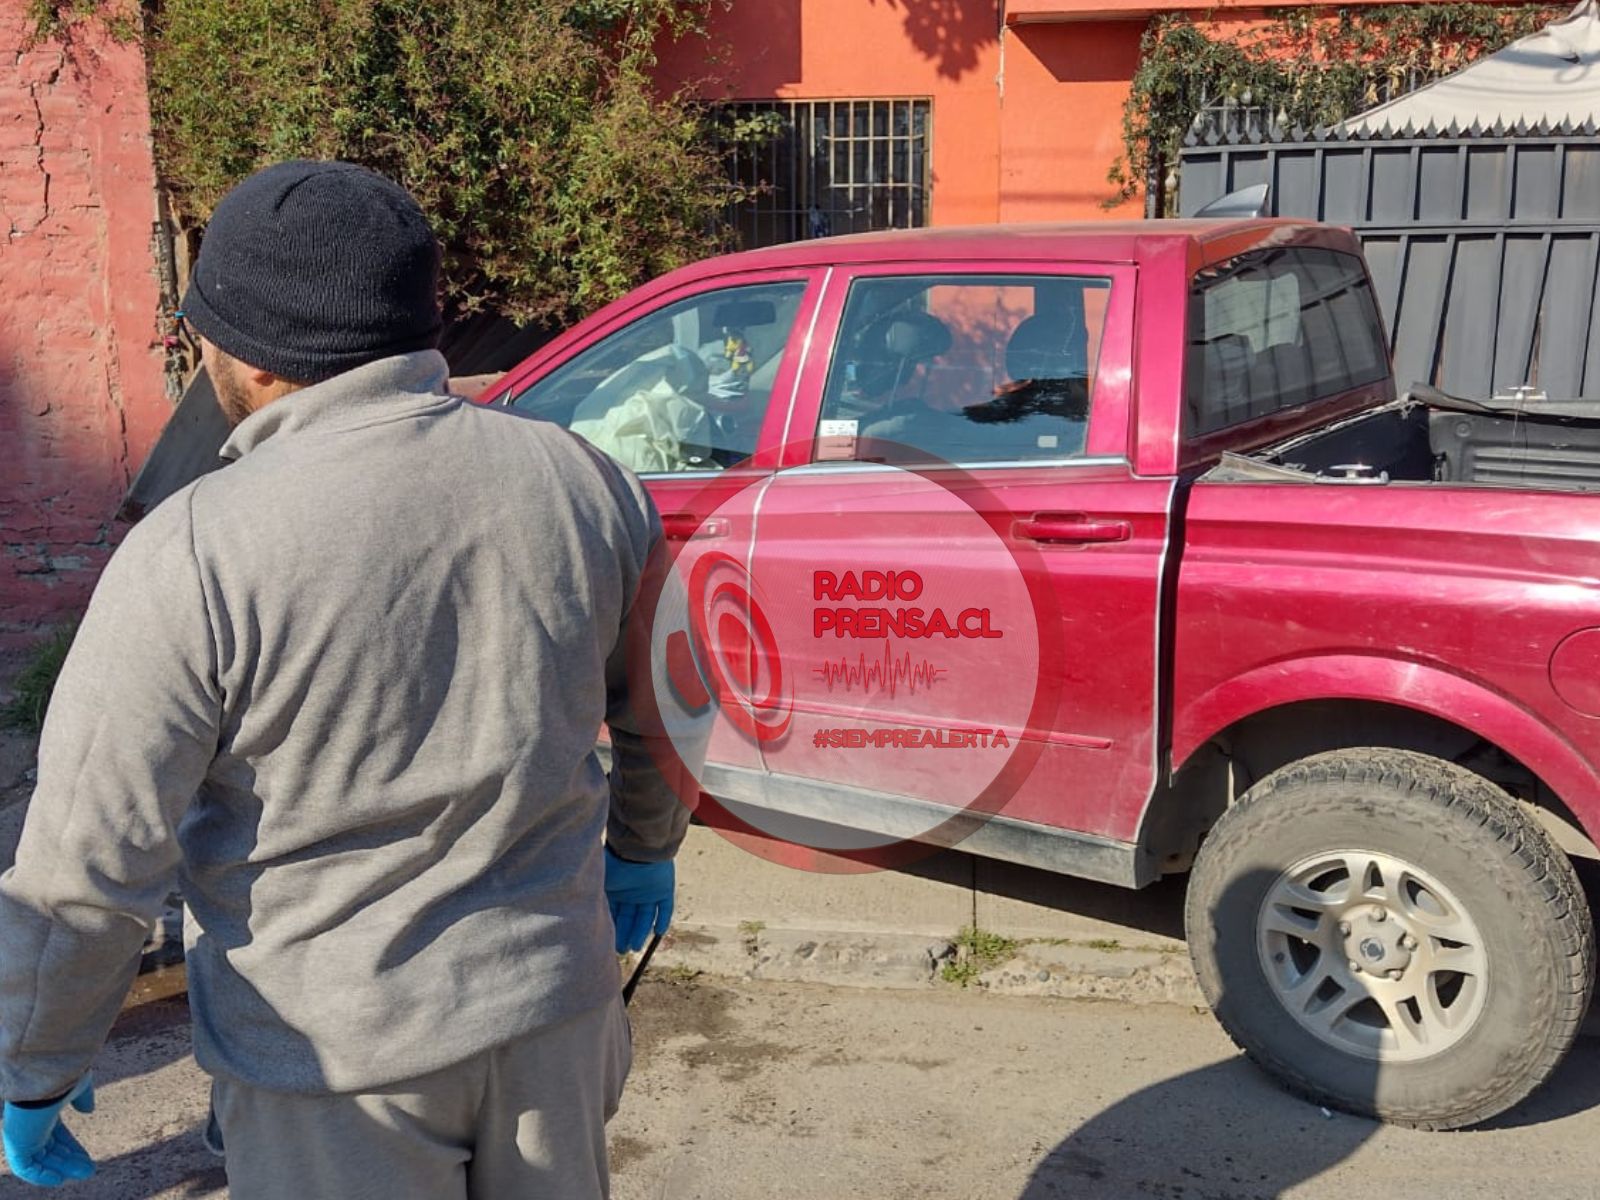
(1484, 244)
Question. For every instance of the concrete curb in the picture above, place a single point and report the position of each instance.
(894, 960)
(743, 916)
(1076, 971)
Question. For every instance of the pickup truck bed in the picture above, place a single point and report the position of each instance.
(1430, 436)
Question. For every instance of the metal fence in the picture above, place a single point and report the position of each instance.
(1484, 244)
(831, 166)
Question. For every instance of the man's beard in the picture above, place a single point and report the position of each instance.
(231, 397)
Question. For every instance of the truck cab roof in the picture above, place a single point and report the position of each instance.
(1078, 241)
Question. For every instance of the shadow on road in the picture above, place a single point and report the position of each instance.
(1224, 1131)
(1228, 1131)
(146, 1037)
(1574, 1088)
(175, 1168)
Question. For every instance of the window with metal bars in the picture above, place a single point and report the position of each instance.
(829, 166)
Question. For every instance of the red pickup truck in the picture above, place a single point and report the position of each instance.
(1111, 549)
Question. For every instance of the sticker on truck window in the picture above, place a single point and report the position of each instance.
(836, 440)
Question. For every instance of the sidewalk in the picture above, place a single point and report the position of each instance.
(741, 915)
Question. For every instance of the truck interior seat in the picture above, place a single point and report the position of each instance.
(889, 352)
(1042, 347)
(1281, 376)
(1229, 361)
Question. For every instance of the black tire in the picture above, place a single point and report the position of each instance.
(1516, 886)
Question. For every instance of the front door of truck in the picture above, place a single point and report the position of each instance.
(691, 391)
(966, 571)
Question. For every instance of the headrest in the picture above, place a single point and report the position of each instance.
(916, 335)
(1229, 351)
(1047, 347)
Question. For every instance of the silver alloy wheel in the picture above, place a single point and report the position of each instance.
(1372, 955)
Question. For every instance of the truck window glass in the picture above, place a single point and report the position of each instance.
(684, 388)
(1274, 329)
(965, 369)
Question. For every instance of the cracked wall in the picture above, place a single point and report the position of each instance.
(81, 386)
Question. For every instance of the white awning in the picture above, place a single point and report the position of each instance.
(1548, 78)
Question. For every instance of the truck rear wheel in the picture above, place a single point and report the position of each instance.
(1391, 935)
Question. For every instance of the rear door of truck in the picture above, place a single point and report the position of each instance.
(966, 450)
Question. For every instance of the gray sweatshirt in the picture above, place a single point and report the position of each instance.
(345, 693)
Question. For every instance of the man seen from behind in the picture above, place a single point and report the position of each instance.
(344, 694)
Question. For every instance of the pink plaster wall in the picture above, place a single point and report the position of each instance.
(82, 396)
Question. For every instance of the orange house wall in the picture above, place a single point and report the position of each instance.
(1026, 121)
(1061, 119)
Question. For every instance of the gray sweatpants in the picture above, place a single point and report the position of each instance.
(524, 1121)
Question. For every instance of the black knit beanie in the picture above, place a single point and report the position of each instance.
(308, 269)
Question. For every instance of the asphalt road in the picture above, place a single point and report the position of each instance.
(775, 1090)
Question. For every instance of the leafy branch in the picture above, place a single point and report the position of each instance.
(1306, 67)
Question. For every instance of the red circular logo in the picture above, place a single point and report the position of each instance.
(740, 661)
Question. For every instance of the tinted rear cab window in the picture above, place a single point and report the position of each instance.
(1275, 329)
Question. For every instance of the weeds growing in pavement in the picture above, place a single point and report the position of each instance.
(976, 951)
(37, 680)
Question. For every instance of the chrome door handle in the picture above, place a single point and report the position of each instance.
(1070, 529)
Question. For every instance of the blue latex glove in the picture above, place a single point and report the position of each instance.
(640, 895)
(38, 1147)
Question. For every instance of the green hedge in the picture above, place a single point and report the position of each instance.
(556, 175)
